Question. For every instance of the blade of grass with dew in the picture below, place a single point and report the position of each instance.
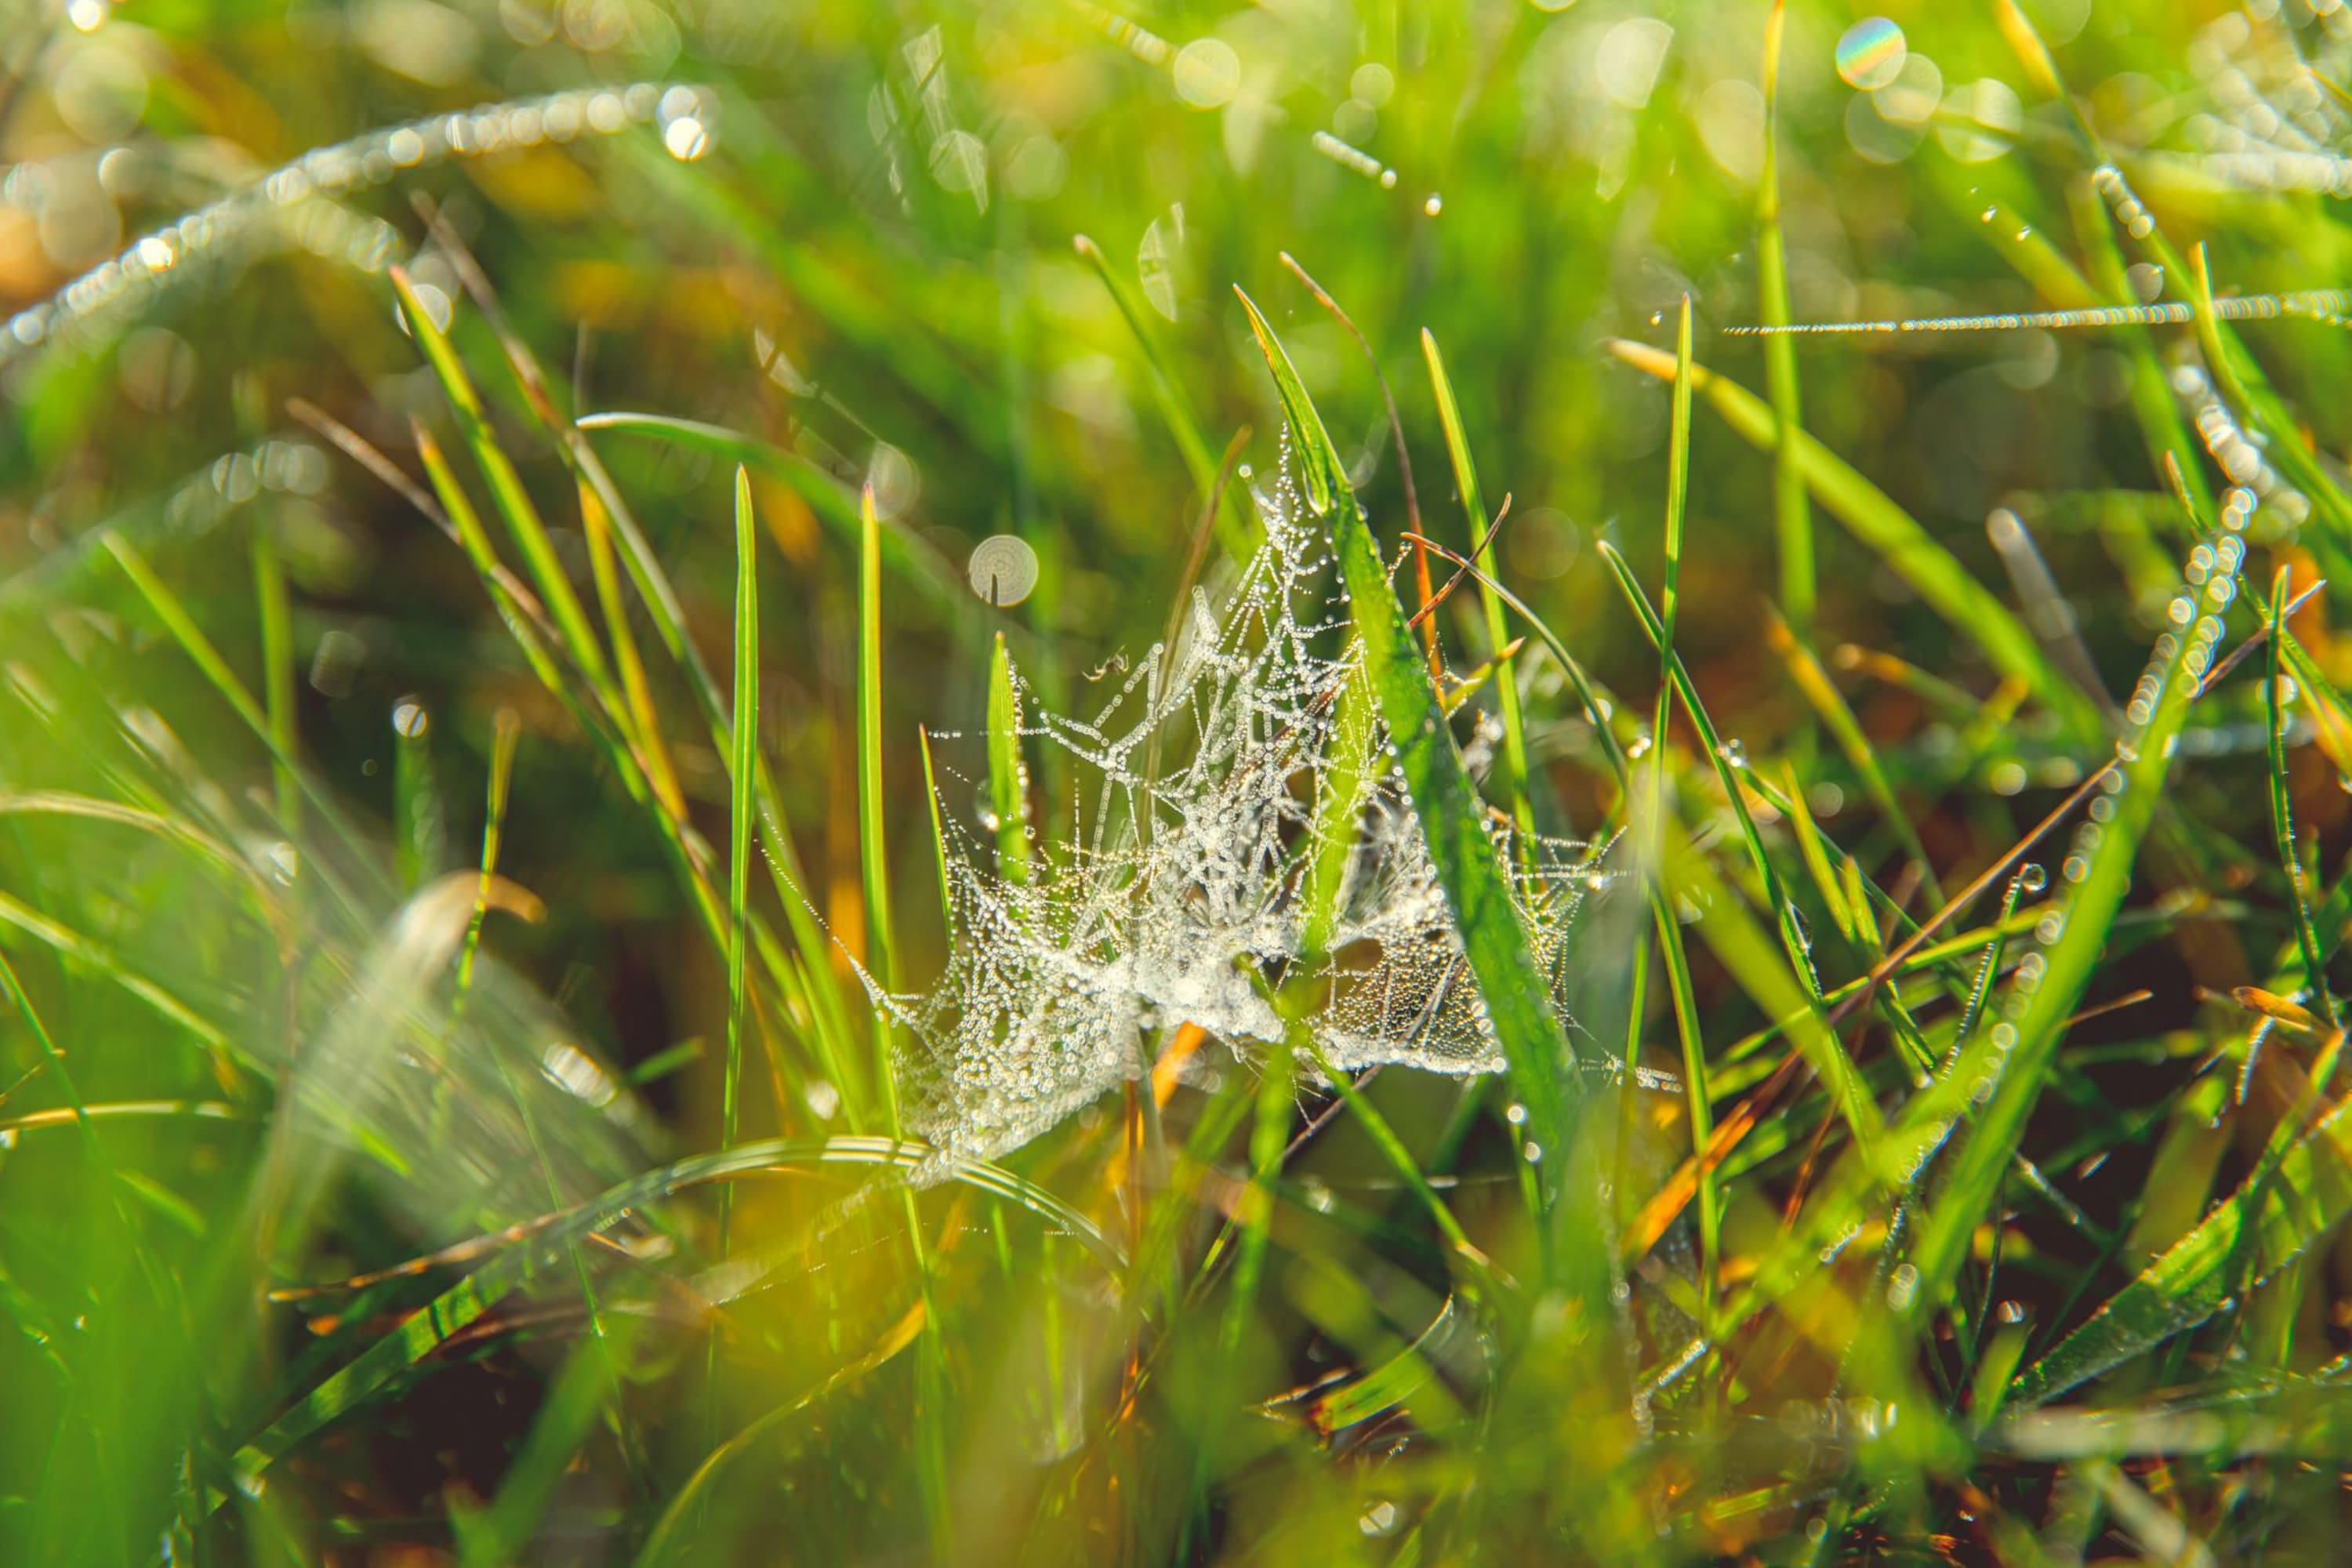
(1891, 533)
(1403, 457)
(419, 840)
(1513, 783)
(2017, 1053)
(938, 830)
(2164, 429)
(1008, 800)
(2281, 811)
(1931, 1115)
(2240, 380)
(2197, 1277)
(1536, 1048)
(1843, 892)
(881, 949)
(2297, 1193)
(2331, 715)
(1698, 1100)
(1791, 511)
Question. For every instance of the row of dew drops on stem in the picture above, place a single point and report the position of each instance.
(296, 203)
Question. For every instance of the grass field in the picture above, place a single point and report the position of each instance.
(1394, 781)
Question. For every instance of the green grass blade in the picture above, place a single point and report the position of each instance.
(2017, 1051)
(2282, 812)
(1008, 799)
(1791, 511)
(168, 609)
(1513, 782)
(1698, 1100)
(743, 756)
(938, 830)
(873, 852)
(2310, 1192)
(1818, 691)
(418, 839)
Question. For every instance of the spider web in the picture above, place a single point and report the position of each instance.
(1186, 887)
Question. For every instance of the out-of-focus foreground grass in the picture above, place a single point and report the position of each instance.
(433, 1129)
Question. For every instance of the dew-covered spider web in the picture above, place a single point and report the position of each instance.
(1209, 830)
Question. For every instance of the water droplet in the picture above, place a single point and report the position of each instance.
(2032, 878)
(1435, 204)
(686, 138)
(1902, 1286)
(1002, 569)
(1871, 53)
(409, 720)
(1516, 1114)
(1207, 73)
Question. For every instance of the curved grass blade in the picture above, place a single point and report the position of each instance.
(2310, 1192)
(512, 500)
(1514, 781)
(424, 1331)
